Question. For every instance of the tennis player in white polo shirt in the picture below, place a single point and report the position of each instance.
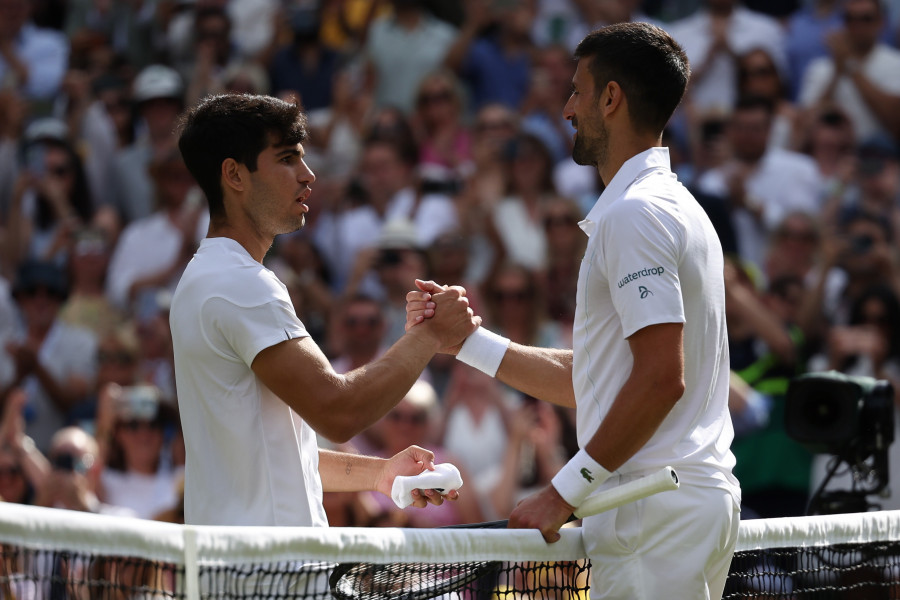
(649, 368)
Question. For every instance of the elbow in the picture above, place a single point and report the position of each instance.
(338, 429)
(671, 391)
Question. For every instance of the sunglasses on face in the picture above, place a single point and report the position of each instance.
(138, 424)
(860, 18)
(435, 98)
(418, 418)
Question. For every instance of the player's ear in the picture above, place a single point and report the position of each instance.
(612, 97)
(233, 174)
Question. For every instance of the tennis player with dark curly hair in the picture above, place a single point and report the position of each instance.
(253, 387)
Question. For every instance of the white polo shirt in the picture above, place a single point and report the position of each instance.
(653, 257)
(251, 460)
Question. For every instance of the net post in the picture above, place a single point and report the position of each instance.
(191, 569)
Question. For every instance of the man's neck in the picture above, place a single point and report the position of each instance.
(621, 151)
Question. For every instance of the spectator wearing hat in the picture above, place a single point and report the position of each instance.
(158, 91)
(54, 363)
(399, 261)
(860, 75)
(32, 58)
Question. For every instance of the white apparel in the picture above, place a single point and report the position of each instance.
(67, 351)
(251, 460)
(340, 237)
(524, 240)
(146, 495)
(653, 257)
(881, 67)
(747, 30)
(783, 183)
(148, 246)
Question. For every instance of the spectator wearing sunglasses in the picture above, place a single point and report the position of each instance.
(860, 75)
(74, 476)
(135, 425)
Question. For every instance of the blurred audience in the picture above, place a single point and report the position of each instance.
(440, 151)
(859, 73)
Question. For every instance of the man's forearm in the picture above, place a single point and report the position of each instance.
(543, 373)
(345, 472)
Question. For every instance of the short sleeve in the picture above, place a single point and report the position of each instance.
(244, 331)
(642, 252)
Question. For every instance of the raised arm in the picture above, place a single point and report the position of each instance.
(338, 406)
(543, 373)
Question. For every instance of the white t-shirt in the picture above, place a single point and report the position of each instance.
(881, 67)
(747, 30)
(251, 460)
(783, 183)
(653, 257)
(146, 495)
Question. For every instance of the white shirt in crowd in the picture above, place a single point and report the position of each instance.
(881, 67)
(784, 182)
(251, 460)
(747, 30)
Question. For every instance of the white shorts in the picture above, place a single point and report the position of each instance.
(676, 544)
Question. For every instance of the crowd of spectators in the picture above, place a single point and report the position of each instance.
(440, 151)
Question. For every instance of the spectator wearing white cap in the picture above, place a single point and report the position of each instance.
(158, 91)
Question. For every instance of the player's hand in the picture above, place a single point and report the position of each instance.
(451, 320)
(545, 511)
(419, 305)
(412, 461)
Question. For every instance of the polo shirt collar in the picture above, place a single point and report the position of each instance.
(652, 158)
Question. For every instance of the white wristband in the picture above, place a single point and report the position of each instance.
(579, 478)
(483, 350)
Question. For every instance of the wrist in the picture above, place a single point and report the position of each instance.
(579, 478)
(484, 350)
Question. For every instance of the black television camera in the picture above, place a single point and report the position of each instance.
(851, 418)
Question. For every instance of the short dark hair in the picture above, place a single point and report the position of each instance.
(238, 126)
(649, 66)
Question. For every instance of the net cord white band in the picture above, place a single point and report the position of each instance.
(484, 350)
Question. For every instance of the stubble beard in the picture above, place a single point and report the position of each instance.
(591, 151)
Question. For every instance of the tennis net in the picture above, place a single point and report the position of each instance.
(53, 554)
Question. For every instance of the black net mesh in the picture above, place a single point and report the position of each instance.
(863, 571)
